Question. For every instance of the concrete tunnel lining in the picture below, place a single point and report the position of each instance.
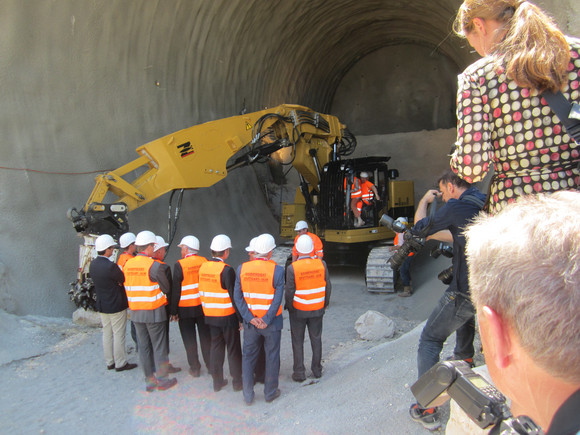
(85, 83)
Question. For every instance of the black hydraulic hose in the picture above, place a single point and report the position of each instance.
(173, 220)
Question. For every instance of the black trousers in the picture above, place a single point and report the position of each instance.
(187, 327)
(297, 330)
(222, 338)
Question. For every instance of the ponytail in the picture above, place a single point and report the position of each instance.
(534, 52)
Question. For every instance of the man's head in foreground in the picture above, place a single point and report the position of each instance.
(524, 276)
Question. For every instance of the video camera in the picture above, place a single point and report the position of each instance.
(480, 400)
(412, 242)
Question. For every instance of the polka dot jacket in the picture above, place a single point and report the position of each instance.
(514, 129)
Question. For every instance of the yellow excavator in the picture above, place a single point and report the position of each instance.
(315, 144)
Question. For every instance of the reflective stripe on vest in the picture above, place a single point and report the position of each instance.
(215, 300)
(123, 258)
(366, 192)
(257, 278)
(190, 285)
(310, 284)
(142, 293)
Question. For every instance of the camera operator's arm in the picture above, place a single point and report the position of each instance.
(443, 236)
(427, 199)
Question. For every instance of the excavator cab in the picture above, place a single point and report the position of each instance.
(327, 209)
(336, 192)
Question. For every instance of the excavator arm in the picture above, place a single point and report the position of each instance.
(202, 155)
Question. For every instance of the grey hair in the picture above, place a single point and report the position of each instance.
(524, 263)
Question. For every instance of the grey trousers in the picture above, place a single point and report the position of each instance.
(152, 339)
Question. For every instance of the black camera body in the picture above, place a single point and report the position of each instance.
(480, 400)
(412, 242)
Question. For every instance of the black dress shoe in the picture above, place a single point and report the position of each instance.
(127, 366)
(111, 367)
(275, 396)
(217, 387)
(160, 384)
(298, 378)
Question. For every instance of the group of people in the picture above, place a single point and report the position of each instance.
(212, 301)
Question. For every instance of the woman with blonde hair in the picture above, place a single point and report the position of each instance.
(503, 118)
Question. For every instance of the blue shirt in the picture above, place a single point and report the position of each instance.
(454, 216)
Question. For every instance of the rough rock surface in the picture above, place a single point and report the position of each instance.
(373, 325)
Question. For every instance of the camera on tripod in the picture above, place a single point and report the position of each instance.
(481, 401)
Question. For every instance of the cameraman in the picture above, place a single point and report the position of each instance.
(454, 310)
(524, 266)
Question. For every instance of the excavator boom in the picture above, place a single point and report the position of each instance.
(198, 157)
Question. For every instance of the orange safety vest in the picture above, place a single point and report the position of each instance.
(190, 285)
(256, 278)
(367, 193)
(355, 192)
(310, 284)
(142, 293)
(123, 258)
(215, 300)
(317, 244)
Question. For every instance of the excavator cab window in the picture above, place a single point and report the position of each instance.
(336, 188)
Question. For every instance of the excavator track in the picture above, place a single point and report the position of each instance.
(380, 278)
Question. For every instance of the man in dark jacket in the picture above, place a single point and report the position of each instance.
(216, 288)
(111, 303)
(307, 296)
(454, 311)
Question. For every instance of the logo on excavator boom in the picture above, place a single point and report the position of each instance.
(185, 149)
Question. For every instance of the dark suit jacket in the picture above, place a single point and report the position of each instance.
(108, 280)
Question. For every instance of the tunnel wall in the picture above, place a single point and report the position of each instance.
(397, 89)
(84, 83)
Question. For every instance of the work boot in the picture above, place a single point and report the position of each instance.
(428, 417)
(359, 222)
(407, 291)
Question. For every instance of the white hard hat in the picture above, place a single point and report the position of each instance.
(364, 175)
(191, 242)
(104, 242)
(221, 242)
(301, 225)
(304, 244)
(264, 243)
(126, 239)
(250, 247)
(145, 238)
(160, 243)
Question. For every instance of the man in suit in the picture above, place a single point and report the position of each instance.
(111, 303)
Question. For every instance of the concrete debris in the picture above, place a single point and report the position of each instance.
(374, 326)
